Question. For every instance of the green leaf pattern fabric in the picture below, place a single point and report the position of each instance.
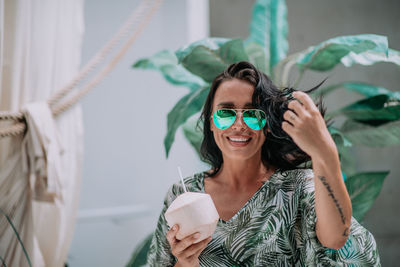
(276, 227)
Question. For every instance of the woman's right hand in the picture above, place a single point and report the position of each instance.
(185, 250)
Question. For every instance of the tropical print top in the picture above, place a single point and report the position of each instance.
(276, 227)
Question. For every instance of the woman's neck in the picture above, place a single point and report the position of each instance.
(242, 173)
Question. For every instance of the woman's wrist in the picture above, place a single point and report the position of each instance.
(327, 152)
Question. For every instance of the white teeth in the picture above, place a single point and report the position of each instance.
(239, 139)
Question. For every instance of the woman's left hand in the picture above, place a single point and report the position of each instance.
(306, 126)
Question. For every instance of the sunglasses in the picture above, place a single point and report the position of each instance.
(254, 118)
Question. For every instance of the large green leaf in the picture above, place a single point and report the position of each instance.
(362, 134)
(207, 63)
(347, 160)
(256, 55)
(343, 144)
(363, 189)
(338, 137)
(375, 110)
(371, 57)
(212, 43)
(167, 63)
(192, 130)
(185, 108)
(359, 87)
(269, 28)
(139, 255)
(328, 54)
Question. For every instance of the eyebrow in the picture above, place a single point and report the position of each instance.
(231, 104)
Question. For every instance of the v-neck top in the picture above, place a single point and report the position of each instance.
(202, 189)
(275, 227)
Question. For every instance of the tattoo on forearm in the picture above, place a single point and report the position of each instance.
(330, 193)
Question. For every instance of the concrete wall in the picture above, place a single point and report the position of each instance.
(311, 22)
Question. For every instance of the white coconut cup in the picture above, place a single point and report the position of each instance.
(193, 212)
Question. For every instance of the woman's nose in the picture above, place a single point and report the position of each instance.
(239, 123)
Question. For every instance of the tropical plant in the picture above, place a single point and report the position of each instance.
(372, 121)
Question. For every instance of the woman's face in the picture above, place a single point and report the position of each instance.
(238, 141)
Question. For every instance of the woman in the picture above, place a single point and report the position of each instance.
(272, 213)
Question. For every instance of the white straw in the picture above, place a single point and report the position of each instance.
(180, 174)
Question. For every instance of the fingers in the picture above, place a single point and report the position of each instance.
(196, 249)
(287, 127)
(306, 100)
(298, 108)
(186, 248)
(290, 117)
(183, 244)
(171, 235)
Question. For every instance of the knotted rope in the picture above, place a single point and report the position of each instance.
(142, 15)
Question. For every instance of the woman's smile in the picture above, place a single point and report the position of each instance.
(239, 141)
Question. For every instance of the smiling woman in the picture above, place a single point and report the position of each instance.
(272, 212)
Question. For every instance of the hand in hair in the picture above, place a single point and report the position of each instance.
(306, 126)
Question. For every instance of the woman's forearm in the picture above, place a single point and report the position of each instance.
(305, 124)
(332, 201)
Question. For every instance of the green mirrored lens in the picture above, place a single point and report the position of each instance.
(224, 118)
(254, 118)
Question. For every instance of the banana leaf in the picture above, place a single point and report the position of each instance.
(256, 55)
(212, 43)
(363, 189)
(208, 63)
(338, 137)
(371, 57)
(193, 133)
(328, 54)
(269, 29)
(359, 87)
(184, 109)
(343, 144)
(363, 134)
(375, 110)
(167, 63)
(347, 160)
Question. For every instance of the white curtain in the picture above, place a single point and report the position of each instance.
(40, 171)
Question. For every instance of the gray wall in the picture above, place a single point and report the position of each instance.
(313, 21)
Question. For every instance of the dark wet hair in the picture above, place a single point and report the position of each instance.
(278, 150)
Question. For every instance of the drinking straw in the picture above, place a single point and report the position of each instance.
(180, 174)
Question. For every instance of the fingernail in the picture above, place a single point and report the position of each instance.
(174, 228)
(197, 235)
